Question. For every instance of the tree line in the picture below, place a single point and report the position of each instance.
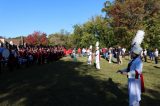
(122, 20)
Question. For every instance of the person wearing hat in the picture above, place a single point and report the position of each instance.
(134, 73)
(97, 56)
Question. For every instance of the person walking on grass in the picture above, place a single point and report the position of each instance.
(119, 55)
(145, 55)
(79, 52)
(74, 55)
(110, 55)
(156, 56)
(90, 57)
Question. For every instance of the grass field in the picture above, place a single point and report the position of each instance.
(68, 83)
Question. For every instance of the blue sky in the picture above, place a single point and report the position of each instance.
(22, 17)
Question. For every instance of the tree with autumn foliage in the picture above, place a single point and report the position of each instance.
(37, 38)
(128, 16)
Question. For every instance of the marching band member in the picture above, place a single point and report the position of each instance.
(90, 55)
(134, 71)
(97, 56)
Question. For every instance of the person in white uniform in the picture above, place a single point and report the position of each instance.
(90, 55)
(134, 74)
(97, 56)
(156, 56)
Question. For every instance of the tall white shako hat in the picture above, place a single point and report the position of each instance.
(136, 43)
(90, 47)
(97, 45)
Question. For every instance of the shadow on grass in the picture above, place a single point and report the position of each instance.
(61, 84)
(152, 100)
(157, 67)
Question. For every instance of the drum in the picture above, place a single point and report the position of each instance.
(5, 53)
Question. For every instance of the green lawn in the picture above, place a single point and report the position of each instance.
(68, 83)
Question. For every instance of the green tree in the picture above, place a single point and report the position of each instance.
(96, 29)
(77, 35)
(63, 38)
(152, 23)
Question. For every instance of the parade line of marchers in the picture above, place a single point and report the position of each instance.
(13, 57)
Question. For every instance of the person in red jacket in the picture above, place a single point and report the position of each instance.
(79, 52)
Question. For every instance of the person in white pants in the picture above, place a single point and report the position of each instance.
(134, 71)
(97, 58)
(90, 55)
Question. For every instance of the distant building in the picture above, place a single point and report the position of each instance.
(14, 41)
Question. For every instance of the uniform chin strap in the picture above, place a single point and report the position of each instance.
(142, 80)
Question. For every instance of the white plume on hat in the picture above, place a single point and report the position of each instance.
(138, 38)
(90, 47)
(97, 44)
(136, 43)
